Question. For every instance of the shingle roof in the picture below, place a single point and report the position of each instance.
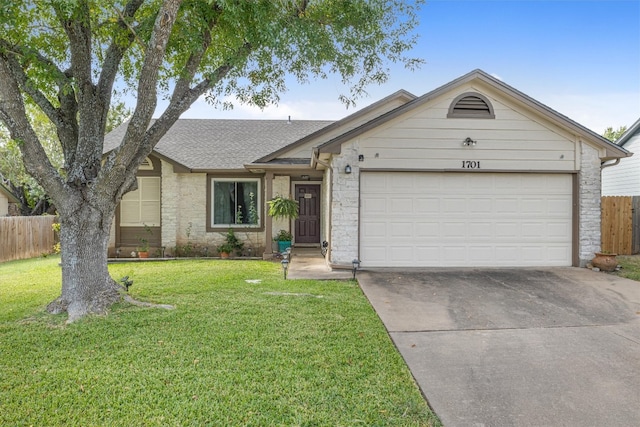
(203, 144)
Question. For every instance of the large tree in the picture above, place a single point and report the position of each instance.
(68, 57)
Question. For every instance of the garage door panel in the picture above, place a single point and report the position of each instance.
(480, 230)
(402, 229)
(427, 205)
(400, 205)
(424, 230)
(374, 229)
(400, 254)
(561, 230)
(454, 230)
(481, 206)
(506, 205)
(375, 205)
(534, 230)
(559, 206)
(465, 219)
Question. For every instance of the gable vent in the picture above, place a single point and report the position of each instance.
(471, 105)
(146, 165)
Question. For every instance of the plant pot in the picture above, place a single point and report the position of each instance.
(224, 255)
(283, 245)
(143, 254)
(605, 262)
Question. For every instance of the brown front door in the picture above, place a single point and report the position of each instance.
(308, 223)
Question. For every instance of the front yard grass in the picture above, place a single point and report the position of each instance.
(630, 266)
(232, 353)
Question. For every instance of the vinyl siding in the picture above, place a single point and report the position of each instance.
(623, 179)
(4, 205)
(428, 140)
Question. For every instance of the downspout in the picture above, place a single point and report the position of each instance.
(605, 165)
(314, 160)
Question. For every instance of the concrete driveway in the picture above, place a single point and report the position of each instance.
(516, 347)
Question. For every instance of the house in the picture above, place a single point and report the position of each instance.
(6, 197)
(624, 178)
(473, 173)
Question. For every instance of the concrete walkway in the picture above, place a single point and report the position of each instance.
(308, 263)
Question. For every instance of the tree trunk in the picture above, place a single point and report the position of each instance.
(87, 287)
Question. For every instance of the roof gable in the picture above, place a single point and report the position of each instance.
(611, 151)
(346, 124)
(9, 195)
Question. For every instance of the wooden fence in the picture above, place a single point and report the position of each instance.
(26, 236)
(620, 227)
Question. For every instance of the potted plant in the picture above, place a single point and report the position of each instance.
(605, 261)
(143, 247)
(284, 239)
(283, 207)
(230, 245)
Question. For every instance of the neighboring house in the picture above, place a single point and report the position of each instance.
(623, 179)
(6, 197)
(474, 173)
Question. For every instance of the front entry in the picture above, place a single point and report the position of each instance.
(307, 226)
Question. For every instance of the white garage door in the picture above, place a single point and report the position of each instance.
(465, 219)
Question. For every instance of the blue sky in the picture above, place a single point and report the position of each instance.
(581, 58)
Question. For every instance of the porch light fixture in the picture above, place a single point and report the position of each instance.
(361, 157)
(347, 169)
(285, 267)
(468, 141)
(355, 266)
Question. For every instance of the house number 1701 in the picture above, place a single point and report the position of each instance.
(470, 164)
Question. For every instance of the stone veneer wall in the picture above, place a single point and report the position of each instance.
(589, 203)
(184, 214)
(345, 206)
(281, 187)
(169, 206)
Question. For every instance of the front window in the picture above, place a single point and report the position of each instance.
(235, 202)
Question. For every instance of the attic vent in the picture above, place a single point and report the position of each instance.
(471, 105)
(146, 165)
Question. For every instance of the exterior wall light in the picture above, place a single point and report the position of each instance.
(361, 157)
(347, 169)
(468, 141)
(355, 265)
(285, 267)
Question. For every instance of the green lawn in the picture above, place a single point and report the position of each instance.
(630, 266)
(232, 353)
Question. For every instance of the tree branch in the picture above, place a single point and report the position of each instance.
(116, 51)
(14, 116)
(147, 91)
(12, 52)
